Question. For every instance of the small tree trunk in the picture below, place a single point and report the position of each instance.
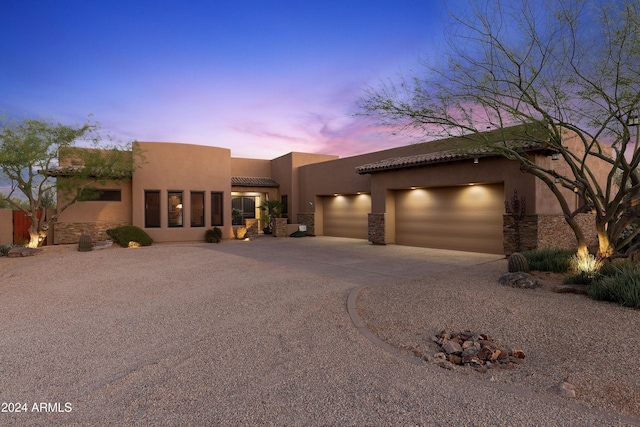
(605, 248)
(36, 237)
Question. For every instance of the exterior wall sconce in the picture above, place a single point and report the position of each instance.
(476, 160)
(555, 156)
(575, 189)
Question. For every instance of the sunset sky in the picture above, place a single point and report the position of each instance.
(262, 78)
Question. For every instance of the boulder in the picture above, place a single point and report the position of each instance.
(519, 280)
(451, 347)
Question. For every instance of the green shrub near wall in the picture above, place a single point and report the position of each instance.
(129, 233)
(213, 235)
(555, 260)
(621, 285)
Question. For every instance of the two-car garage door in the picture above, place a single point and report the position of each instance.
(467, 218)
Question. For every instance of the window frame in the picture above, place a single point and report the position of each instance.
(101, 192)
(220, 208)
(192, 207)
(179, 207)
(158, 209)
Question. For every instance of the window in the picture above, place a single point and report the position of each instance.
(197, 209)
(245, 208)
(217, 217)
(284, 201)
(99, 195)
(151, 209)
(175, 208)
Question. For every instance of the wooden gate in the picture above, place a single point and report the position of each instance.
(21, 224)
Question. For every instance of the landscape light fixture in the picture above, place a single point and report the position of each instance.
(476, 160)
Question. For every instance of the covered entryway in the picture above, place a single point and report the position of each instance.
(346, 215)
(464, 218)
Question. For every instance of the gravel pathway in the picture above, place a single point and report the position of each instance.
(186, 335)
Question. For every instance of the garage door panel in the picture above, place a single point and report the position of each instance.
(459, 218)
(346, 216)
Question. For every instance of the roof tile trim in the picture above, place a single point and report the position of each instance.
(436, 157)
(249, 181)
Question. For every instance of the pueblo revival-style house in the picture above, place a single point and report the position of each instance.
(426, 195)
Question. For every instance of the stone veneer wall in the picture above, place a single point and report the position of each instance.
(546, 231)
(252, 228)
(309, 220)
(376, 228)
(69, 232)
(279, 229)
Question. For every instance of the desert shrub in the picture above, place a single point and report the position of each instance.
(555, 260)
(622, 287)
(129, 233)
(213, 235)
(4, 249)
(580, 278)
(298, 233)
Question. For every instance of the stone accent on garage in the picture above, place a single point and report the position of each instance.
(308, 219)
(376, 228)
(546, 231)
(69, 232)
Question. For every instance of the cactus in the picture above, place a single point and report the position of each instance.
(84, 245)
(517, 263)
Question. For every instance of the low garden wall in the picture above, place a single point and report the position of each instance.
(545, 232)
(69, 232)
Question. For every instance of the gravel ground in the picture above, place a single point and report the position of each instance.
(593, 343)
(187, 335)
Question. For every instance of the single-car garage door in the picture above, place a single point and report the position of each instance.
(467, 218)
(346, 216)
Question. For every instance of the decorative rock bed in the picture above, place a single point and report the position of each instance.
(478, 351)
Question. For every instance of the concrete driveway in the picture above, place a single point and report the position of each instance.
(353, 260)
(240, 333)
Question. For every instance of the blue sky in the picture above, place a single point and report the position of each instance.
(262, 78)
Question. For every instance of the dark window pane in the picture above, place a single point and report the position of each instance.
(152, 209)
(197, 209)
(99, 195)
(216, 209)
(284, 201)
(246, 206)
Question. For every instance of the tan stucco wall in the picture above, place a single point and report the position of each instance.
(488, 170)
(186, 168)
(250, 167)
(6, 226)
(285, 170)
(546, 202)
(90, 211)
